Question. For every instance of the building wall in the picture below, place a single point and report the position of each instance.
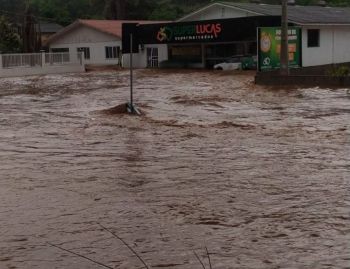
(317, 55)
(97, 41)
(93, 39)
(140, 59)
(218, 12)
(334, 46)
(342, 45)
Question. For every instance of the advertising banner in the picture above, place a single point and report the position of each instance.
(269, 48)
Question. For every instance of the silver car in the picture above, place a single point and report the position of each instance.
(232, 63)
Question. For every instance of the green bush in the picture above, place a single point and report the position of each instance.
(9, 41)
(340, 71)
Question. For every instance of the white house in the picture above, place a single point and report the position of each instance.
(101, 42)
(325, 30)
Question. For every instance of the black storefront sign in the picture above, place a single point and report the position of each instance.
(210, 31)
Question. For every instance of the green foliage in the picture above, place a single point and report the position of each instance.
(9, 40)
(340, 71)
(165, 11)
(65, 12)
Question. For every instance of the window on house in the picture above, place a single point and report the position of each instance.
(313, 38)
(112, 52)
(86, 51)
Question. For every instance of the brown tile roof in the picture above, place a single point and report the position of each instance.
(112, 27)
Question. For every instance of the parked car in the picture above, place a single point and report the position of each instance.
(249, 62)
(244, 62)
(232, 63)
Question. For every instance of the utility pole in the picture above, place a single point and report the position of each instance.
(31, 32)
(284, 40)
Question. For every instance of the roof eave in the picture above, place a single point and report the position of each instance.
(322, 24)
(100, 30)
(216, 4)
(73, 26)
(242, 9)
(62, 32)
(196, 12)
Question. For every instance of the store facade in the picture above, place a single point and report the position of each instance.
(198, 44)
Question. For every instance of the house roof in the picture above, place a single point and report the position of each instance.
(48, 27)
(304, 15)
(111, 27)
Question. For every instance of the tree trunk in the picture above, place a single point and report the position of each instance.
(115, 9)
(31, 35)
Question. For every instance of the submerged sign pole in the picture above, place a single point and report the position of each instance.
(131, 106)
(131, 75)
(130, 46)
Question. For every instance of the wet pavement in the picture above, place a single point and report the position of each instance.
(261, 177)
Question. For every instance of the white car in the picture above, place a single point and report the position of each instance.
(233, 63)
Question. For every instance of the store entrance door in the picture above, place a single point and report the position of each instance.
(152, 57)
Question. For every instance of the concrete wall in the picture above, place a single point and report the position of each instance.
(334, 46)
(93, 39)
(217, 11)
(301, 80)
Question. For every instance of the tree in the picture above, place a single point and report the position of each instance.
(31, 33)
(9, 40)
(65, 12)
(115, 9)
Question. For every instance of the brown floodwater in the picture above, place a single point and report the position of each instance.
(261, 177)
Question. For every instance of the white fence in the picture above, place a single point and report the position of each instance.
(21, 60)
(59, 58)
(12, 65)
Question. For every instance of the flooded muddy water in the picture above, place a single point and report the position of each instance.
(261, 177)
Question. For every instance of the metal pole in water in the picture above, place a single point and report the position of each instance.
(131, 75)
(131, 108)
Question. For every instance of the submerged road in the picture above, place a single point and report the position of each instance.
(261, 177)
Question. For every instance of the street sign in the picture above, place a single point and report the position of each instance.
(127, 30)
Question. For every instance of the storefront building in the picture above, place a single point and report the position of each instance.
(201, 44)
(193, 41)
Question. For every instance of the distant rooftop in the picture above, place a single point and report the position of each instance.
(49, 27)
(299, 14)
(111, 27)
